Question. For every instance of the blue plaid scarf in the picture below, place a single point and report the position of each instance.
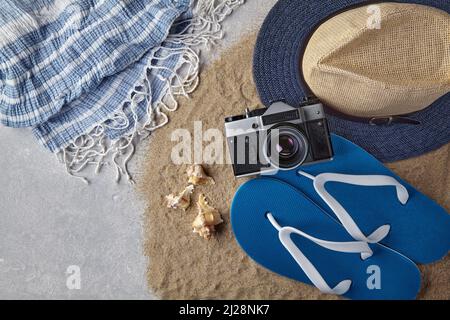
(93, 77)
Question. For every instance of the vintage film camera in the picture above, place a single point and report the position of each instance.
(280, 137)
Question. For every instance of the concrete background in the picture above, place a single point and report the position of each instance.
(50, 221)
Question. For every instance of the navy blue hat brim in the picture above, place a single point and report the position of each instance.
(277, 74)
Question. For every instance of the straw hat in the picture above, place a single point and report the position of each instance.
(381, 69)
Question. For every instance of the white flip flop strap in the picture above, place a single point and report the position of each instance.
(284, 234)
(362, 180)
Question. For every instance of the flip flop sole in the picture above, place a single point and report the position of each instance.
(399, 277)
(420, 229)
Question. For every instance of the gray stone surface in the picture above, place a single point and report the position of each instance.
(50, 221)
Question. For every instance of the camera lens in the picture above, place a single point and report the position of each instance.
(287, 146)
(290, 147)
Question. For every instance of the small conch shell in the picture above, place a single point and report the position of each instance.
(197, 176)
(207, 218)
(182, 200)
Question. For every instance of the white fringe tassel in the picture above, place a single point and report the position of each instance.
(95, 150)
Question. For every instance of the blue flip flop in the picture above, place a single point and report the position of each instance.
(282, 230)
(373, 204)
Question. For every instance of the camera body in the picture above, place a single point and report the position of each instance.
(280, 137)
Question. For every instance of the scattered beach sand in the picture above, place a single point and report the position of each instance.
(185, 266)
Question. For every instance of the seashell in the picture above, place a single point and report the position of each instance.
(197, 176)
(182, 200)
(207, 218)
